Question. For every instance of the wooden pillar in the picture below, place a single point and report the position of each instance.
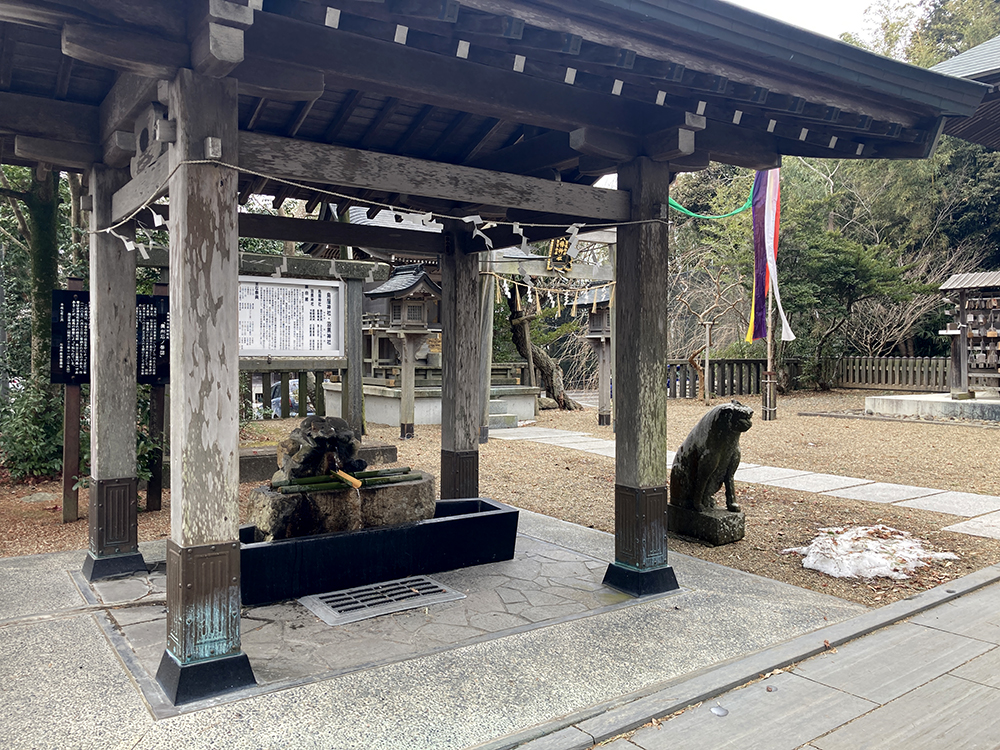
(353, 394)
(641, 476)
(407, 345)
(113, 515)
(460, 394)
(958, 377)
(203, 655)
(486, 293)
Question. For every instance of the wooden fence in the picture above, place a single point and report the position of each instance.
(895, 373)
(727, 377)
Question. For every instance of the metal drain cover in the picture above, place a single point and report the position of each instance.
(363, 602)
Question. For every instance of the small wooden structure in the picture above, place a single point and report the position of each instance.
(974, 333)
(499, 111)
(409, 303)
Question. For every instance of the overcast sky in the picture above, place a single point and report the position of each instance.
(828, 17)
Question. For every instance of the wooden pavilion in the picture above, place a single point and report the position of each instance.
(496, 111)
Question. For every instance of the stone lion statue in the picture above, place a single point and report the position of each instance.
(708, 458)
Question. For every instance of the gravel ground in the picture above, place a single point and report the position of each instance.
(579, 487)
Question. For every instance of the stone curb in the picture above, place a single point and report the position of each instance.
(603, 721)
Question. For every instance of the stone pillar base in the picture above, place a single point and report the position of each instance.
(641, 582)
(184, 683)
(95, 568)
(716, 526)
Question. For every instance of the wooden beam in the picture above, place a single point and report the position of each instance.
(413, 75)
(279, 82)
(146, 187)
(338, 233)
(740, 147)
(669, 144)
(529, 155)
(57, 153)
(47, 118)
(387, 111)
(438, 10)
(415, 125)
(119, 149)
(129, 96)
(7, 44)
(63, 77)
(153, 15)
(343, 115)
(485, 24)
(216, 49)
(481, 138)
(321, 163)
(129, 52)
(593, 142)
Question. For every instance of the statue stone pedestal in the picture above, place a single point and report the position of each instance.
(717, 526)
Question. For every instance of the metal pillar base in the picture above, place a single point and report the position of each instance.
(95, 568)
(459, 474)
(184, 683)
(641, 582)
(603, 420)
(405, 431)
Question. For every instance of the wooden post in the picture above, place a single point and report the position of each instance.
(460, 394)
(406, 345)
(157, 401)
(486, 294)
(303, 394)
(320, 398)
(602, 348)
(353, 388)
(286, 396)
(203, 655)
(113, 515)
(71, 434)
(640, 566)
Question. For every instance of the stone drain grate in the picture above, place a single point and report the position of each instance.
(364, 602)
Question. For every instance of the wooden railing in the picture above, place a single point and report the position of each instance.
(895, 373)
(285, 369)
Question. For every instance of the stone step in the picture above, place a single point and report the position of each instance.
(497, 406)
(502, 421)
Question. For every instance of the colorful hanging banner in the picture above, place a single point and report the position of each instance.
(766, 204)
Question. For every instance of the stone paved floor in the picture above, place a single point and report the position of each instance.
(544, 583)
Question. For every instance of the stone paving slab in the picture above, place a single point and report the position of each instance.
(882, 492)
(945, 714)
(817, 482)
(581, 442)
(988, 526)
(984, 669)
(795, 711)
(956, 503)
(887, 664)
(975, 616)
(609, 452)
(766, 474)
(532, 433)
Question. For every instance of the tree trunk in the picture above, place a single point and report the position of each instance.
(552, 376)
(42, 202)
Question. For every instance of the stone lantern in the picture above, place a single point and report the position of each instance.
(410, 295)
(597, 302)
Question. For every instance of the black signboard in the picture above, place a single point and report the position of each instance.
(70, 337)
(152, 339)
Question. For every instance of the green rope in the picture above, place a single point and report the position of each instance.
(675, 205)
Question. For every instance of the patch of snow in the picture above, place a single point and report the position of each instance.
(526, 423)
(866, 552)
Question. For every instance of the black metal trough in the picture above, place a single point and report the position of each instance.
(462, 533)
